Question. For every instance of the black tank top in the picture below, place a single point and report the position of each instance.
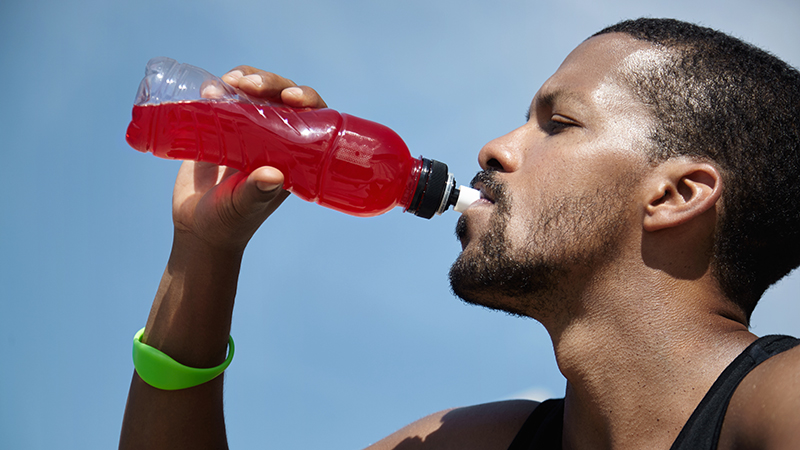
(542, 429)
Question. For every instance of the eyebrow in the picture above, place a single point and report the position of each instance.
(547, 100)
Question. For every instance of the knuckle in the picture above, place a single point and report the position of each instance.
(276, 81)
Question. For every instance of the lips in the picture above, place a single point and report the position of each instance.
(486, 183)
(486, 194)
(491, 188)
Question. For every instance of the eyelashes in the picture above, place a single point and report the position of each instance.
(557, 124)
(554, 123)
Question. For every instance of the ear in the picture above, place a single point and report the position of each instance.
(678, 191)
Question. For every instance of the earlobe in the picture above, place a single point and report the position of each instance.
(680, 191)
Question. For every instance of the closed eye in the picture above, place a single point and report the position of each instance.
(558, 123)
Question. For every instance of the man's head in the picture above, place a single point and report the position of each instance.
(725, 101)
(557, 191)
(620, 105)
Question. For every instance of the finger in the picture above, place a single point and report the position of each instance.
(213, 89)
(257, 82)
(260, 194)
(232, 77)
(302, 97)
(194, 180)
(267, 179)
(195, 177)
(206, 175)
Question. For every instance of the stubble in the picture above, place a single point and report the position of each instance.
(536, 275)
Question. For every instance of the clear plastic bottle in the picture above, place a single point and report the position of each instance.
(336, 160)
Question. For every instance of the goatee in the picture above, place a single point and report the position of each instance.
(490, 276)
(529, 276)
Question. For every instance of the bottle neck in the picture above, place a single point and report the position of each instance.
(430, 189)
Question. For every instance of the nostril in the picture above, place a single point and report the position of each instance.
(494, 164)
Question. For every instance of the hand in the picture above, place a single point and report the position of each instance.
(221, 207)
(273, 87)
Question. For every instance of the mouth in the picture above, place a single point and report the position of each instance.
(486, 195)
(485, 183)
(491, 191)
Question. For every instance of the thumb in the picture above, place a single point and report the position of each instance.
(267, 179)
(260, 194)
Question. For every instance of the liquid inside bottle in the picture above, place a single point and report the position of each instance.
(339, 161)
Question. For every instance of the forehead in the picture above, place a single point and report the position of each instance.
(595, 73)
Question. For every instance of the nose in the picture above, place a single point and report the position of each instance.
(504, 153)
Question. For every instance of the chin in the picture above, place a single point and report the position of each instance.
(496, 280)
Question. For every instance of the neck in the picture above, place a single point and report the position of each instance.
(639, 363)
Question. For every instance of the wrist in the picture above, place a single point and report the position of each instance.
(191, 315)
(161, 371)
(193, 246)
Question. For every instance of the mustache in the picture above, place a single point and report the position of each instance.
(491, 186)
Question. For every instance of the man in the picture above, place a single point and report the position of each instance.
(639, 214)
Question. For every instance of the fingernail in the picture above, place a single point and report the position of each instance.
(234, 74)
(212, 91)
(266, 187)
(294, 91)
(255, 79)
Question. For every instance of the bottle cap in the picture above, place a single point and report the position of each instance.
(433, 189)
(436, 191)
(466, 197)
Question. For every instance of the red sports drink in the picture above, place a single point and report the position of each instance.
(337, 160)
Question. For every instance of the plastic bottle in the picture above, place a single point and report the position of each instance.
(337, 160)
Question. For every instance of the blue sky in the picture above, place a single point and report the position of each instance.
(345, 327)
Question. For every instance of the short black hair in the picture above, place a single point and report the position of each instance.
(720, 99)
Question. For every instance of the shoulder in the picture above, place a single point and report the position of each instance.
(763, 410)
(487, 426)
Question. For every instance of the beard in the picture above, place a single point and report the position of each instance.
(531, 275)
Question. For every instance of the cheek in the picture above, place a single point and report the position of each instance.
(556, 169)
(522, 221)
(588, 172)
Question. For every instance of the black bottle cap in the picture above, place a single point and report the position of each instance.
(431, 189)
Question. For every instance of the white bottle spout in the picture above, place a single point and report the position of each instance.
(466, 197)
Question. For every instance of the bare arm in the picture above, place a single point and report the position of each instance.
(189, 320)
(489, 426)
(763, 412)
(215, 212)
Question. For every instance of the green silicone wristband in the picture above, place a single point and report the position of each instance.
(157, 369)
